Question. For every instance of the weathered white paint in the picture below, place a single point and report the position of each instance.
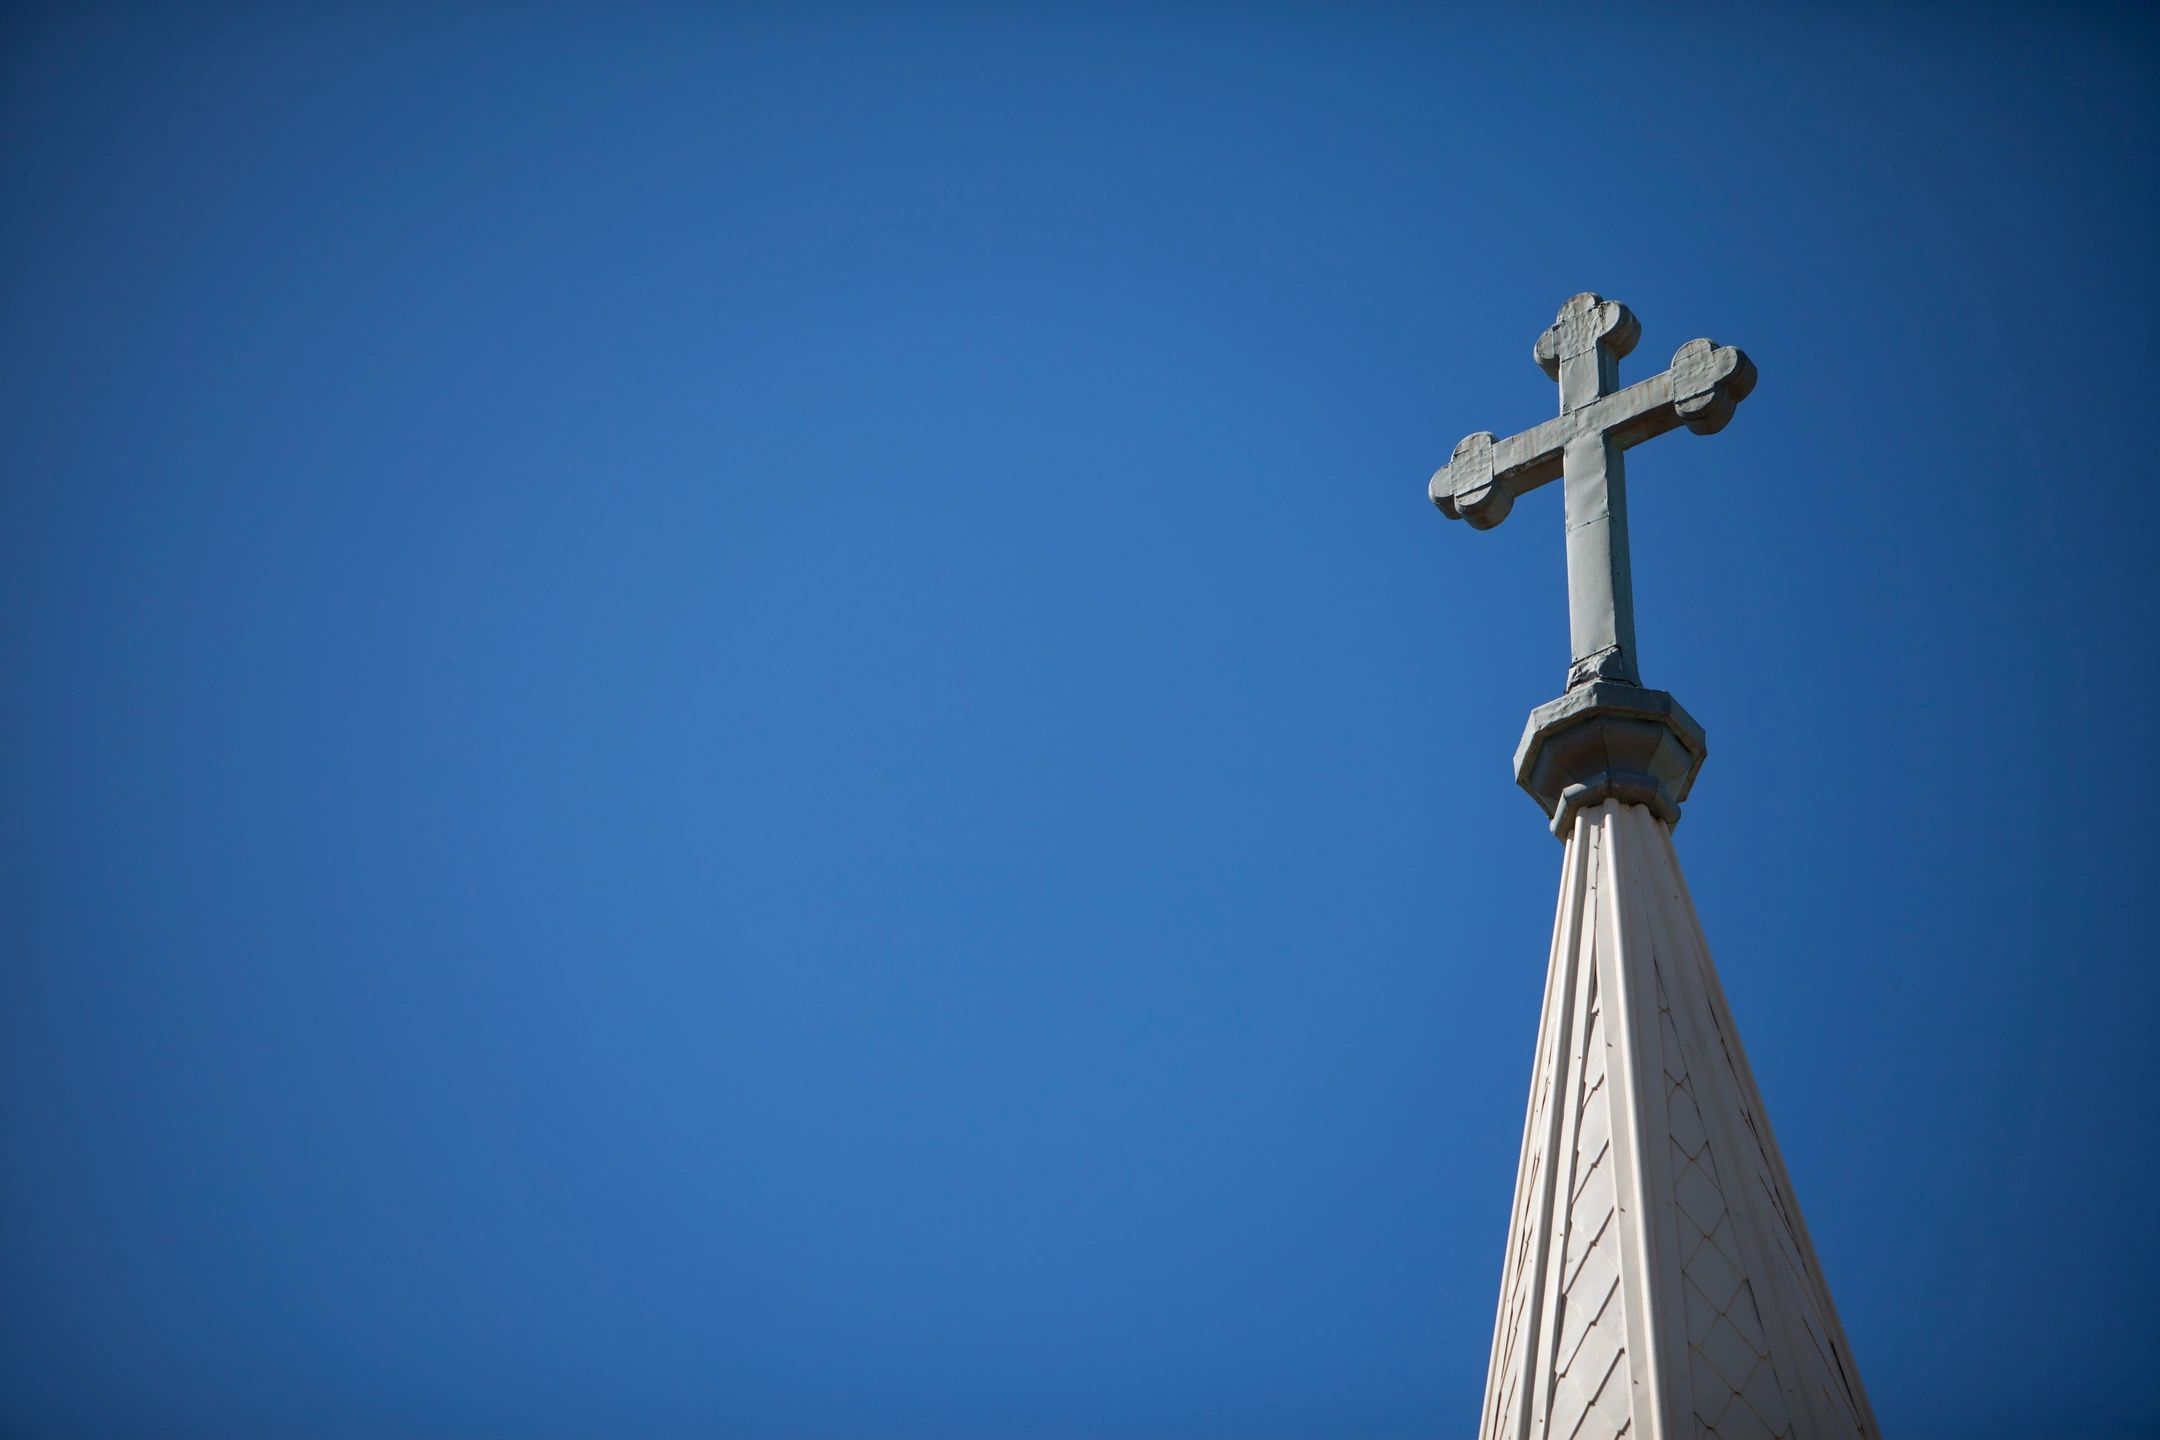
(1659, 1282)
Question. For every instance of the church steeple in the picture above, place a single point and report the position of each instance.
(1659, 1281)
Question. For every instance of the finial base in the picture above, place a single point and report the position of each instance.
(1607, 741)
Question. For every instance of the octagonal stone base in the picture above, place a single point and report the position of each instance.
(1606, 741)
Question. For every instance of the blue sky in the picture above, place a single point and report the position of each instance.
(747, 722)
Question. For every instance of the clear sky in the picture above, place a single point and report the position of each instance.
(747, 722)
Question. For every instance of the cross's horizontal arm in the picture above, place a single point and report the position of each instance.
(1481, 481)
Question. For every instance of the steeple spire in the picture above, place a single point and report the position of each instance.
(1659, 1281)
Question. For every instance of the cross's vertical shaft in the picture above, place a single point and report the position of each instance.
(1582, 351)
(1601, 590)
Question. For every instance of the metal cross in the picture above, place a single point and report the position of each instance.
(1582, 448)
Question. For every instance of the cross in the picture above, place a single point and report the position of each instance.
(1598, 421)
